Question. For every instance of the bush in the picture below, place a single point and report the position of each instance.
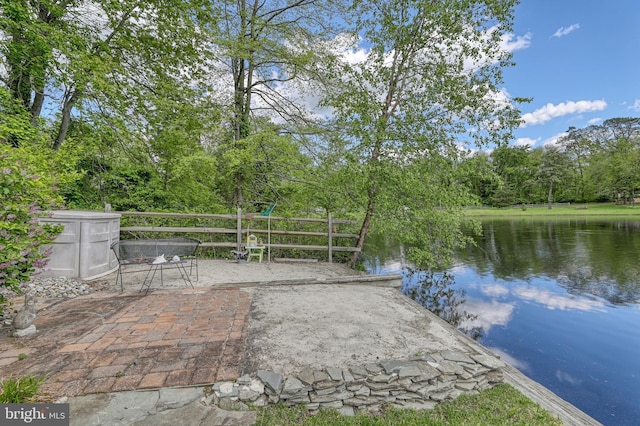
(25, 196)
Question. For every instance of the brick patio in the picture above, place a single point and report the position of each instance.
(124, 341)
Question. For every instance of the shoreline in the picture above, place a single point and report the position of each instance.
(296, 317)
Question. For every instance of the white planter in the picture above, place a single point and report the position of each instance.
(83, 249)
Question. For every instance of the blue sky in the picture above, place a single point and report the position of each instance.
(580, 62)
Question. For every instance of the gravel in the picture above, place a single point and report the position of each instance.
(53, 288)
(59, 288)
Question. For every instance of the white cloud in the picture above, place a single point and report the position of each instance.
(636, 105)
(562, 31)
(511, 43)
(551, 111)
(526, 142)
(553, 140)
(599, 119)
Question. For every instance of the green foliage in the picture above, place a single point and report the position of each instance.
(27, 190)
(553, 170)
(192, 186)
(419, 205)
(271, 168)
(120, 69)
(403, 114)
(503, 196)
(19, 390)
(514, 166)
(593, 164)
(15, 122)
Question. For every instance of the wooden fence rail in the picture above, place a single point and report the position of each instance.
(325, 235)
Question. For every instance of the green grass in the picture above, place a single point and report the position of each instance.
(591, 210)
(19, 390)
(501, 405)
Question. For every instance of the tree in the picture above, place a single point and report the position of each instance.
(26, 195)
(273, 52)
(514, 165)
(578, 146)
(106, 59)
(552, 170)
(428, 83)
(479, 176)
(613, 170)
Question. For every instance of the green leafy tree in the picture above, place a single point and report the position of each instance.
(552, 171)
(274, 51)
(578, 146)
(514, 165)
(611, 171)
(104, 60)
(620, 140)
(429, 82)
(478, 174)
(505, 196)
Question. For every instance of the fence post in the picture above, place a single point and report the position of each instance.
(330, 235)
(239, 229)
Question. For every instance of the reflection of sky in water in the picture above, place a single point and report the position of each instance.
(579, 346)
(487, 314)
(520, 365)
(558, 301)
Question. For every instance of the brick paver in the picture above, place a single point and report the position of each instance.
(115, 342)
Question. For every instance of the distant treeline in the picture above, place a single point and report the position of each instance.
(594, 164)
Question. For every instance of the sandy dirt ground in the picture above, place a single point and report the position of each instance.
(221, 272)
(315, 315)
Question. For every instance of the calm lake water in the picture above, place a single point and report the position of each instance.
(560, 301)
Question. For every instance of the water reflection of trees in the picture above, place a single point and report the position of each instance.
(436, 292)
(597, 257)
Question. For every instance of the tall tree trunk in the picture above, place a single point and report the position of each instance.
(372, 193)
(366, 223)
(550, 198)
(70, 100)
(243, 69)
(36, 106)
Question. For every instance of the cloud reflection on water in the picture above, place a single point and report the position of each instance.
(495, 290)
(504, 299)
(514, 362)
(488, 313)
(564, 377)
(558, 301)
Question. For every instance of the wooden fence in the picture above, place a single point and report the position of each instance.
(230, 231)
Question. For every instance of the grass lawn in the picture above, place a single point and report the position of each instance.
(501, 405)
(605, 209)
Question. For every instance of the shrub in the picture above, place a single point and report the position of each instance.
(25, 195)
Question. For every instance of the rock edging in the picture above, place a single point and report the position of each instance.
(418, 383)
